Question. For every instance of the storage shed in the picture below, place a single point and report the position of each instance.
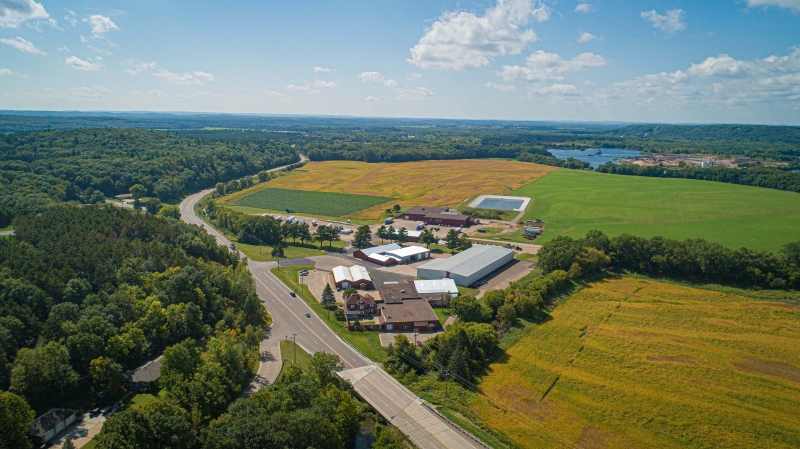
(467, 267)
(356, 276)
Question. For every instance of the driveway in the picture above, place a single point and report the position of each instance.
(507, 274)
(81, 432)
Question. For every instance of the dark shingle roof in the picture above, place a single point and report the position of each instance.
(49, 421)
(149, 372)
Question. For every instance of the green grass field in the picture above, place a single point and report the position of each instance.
(291, 251)
(573, 202)
(321, 203)
(288, 353)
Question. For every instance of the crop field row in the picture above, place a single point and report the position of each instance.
(422, 183)
(636, 363)
(318, 203)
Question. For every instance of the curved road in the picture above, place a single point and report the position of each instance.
(396, 403)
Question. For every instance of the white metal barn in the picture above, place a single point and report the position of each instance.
(355, 276)
(467, 267)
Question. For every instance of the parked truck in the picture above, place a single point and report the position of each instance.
(290, 219)
(389, 220)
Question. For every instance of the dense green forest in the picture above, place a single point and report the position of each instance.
(40, 169)
(89, 292)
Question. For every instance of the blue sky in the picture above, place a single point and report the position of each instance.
(655, 61)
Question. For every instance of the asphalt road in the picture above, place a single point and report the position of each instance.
(396, 403)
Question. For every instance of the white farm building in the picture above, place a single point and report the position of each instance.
(355, 276)
(467, 267)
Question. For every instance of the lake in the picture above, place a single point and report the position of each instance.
(589, 155)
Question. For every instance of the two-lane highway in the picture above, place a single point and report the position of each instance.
(396, 403)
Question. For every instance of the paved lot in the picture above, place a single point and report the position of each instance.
(507, 274)
(81, 432)
(268, 369)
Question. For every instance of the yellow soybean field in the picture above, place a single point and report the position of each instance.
(423, 183)
(636, 363)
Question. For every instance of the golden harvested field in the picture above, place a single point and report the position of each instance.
(635, 363)
(423, 183)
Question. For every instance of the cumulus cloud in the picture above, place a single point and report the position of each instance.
(22, 45)
(4, 72)
(584, 8)
(373, 98)
(90, 92)
(272, 93)
(79, 64)
(71, 17)
(296, 87)
(464, 40)
(157, 93)
(555, 89)
(197, 78)
(15, 12)
(326, 84)
(413, 76)
(789, 4)
(413, 94)
(587, 37)
(543, 66)
(100, 25)
(376, 77)
(500, 87)
(721, 80)
(319, 69)
(135, 69)
(63, 48)
(366, 77)
(669, 23)
(202, 95)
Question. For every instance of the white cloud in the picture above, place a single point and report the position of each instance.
(83, 39)
(413, 94)
(462, 40)
(157, 93)
(500, 87)
(78, 63)
(376, 77)
(584, 8)
(197, 78)
(100, 25)
(202, 95)
(295, 87)
(722, 80)
(413, 76)
(272, 93)
(366, 77)
(555, 89)
(90, 92)
(670, 23)
(63, 48)
(22, 45)
(14, 12)
(543, 66)
(326, 84)
(319, 69)
(372, 98)
(4, 72)
(587, 37)
(135, 69)
(71, 18)
(789, 4)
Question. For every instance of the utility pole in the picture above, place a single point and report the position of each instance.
(294, 340)
(415, 337)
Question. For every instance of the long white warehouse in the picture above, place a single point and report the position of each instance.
(467, 267)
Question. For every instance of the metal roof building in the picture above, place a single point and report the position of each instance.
(467, 267)
(355, 276)
(436, 286)
(409, 254)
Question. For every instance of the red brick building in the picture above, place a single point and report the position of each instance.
(361, 305)
(436, 216)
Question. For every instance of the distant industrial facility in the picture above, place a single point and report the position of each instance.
(467, 267)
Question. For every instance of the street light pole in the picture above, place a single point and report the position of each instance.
(294, 340)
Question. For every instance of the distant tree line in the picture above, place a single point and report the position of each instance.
(40, 169)
(754, 175)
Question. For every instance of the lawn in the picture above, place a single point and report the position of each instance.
(288, 353)
(367, 342)
(428, 183)
(573, 202)
(305, 202)
(639, 363)
(291, 251)
(139, 400)
(443, 313)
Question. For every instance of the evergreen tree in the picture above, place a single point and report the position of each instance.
(362, 238)
(451, 240)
